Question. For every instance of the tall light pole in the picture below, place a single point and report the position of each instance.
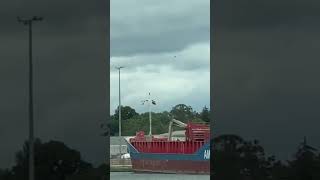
(28, 22)
(119, 110)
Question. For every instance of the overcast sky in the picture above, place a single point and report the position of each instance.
(165, 48)
(70, 66)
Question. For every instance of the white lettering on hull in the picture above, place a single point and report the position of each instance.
(206, 154)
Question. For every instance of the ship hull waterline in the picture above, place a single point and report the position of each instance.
(171, 166)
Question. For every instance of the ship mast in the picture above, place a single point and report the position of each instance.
(150, 102)
(150, 121)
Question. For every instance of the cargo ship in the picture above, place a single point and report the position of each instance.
(165, 155)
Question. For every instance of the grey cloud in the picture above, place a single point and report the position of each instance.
(165, 30)
(193, 58)
(166, 42)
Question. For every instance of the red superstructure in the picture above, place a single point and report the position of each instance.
(197, 132)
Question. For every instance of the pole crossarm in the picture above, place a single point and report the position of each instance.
(27, 21)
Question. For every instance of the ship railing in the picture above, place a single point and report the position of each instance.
(184, 147)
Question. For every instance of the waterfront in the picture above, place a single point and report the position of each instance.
(145, 176)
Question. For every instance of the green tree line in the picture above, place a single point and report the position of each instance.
(133, 121)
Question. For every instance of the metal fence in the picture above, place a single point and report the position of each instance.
(122, 162)
(115, 150)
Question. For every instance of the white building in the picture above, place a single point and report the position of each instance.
(115, 143)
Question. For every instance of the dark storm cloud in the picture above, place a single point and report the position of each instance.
(263, 14)
(266, 73)
(58, 14)
(70, 68)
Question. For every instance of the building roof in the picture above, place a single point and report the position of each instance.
(175, 134)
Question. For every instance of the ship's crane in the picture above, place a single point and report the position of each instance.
(178, 123)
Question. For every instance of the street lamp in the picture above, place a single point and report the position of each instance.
(28, 22)
(119, 110)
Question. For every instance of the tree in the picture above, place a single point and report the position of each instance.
(5, 174)
(160, 123)
(99, 173)
(111, 128)
(255, 163)
(53, 161)
(205, 114)
(183, 112)
(279, 171)
(235, 158)
(126, 113)
(305, 164)
(226, 162)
